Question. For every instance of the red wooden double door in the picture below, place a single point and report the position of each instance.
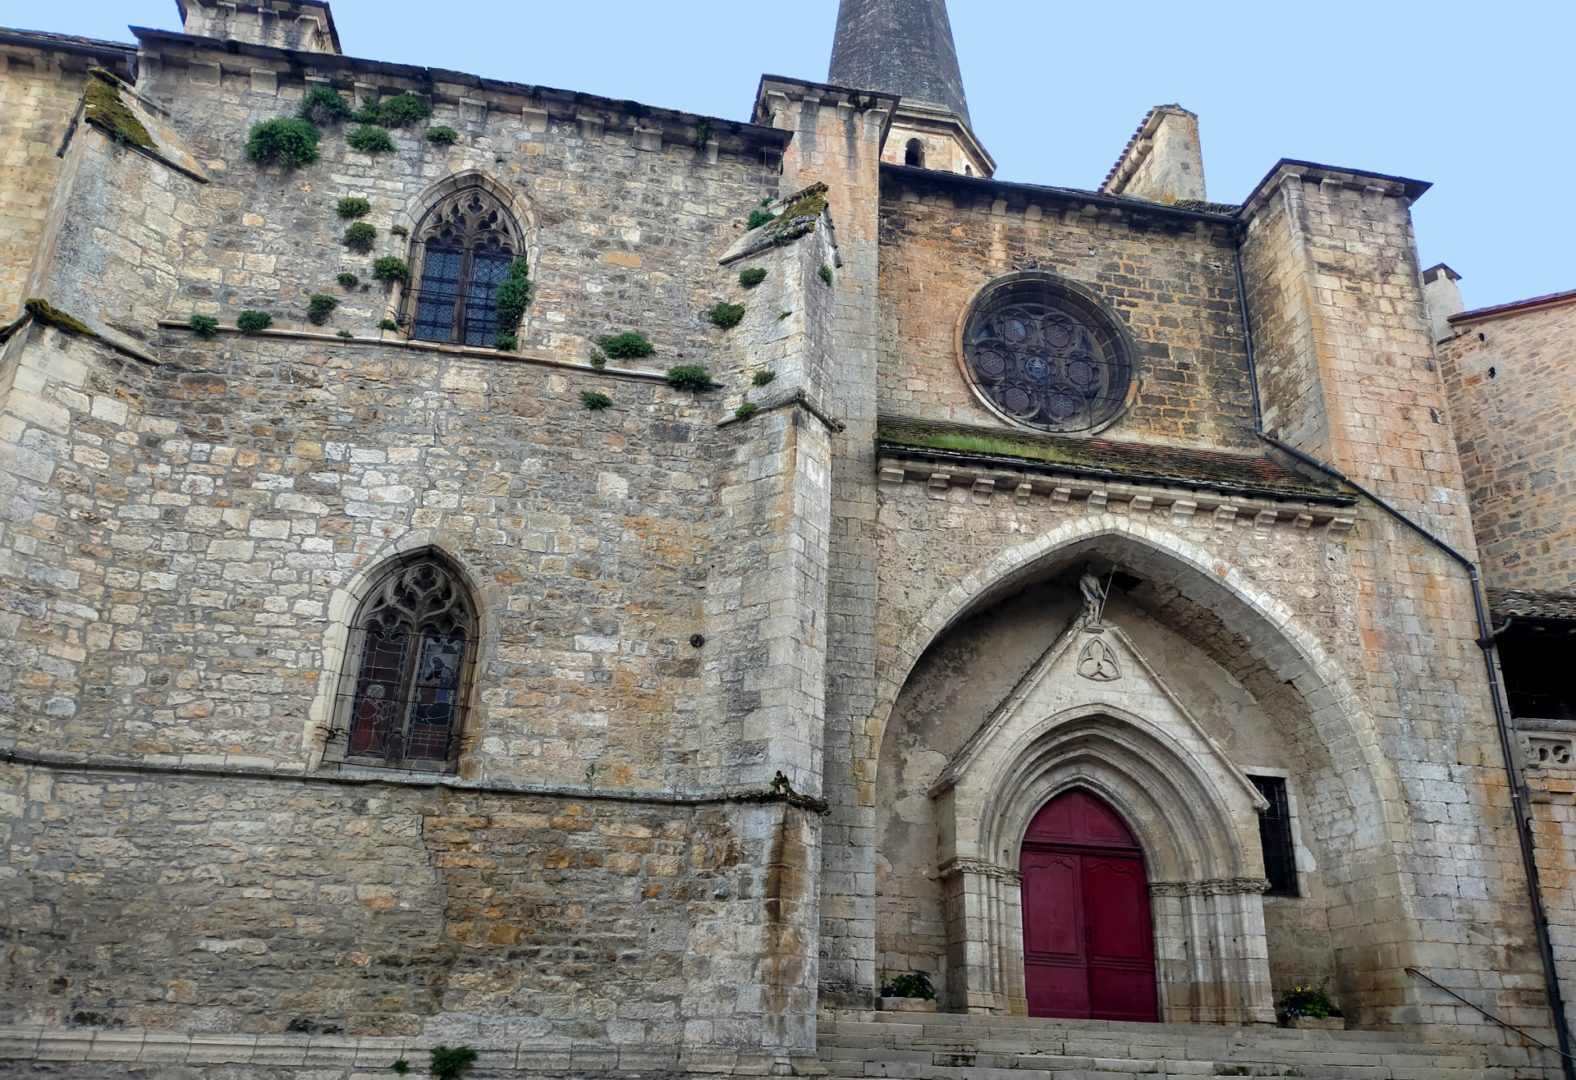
(1089, 946)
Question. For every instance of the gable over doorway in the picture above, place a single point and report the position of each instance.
(1088, 935)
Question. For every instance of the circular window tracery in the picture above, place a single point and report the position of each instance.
(1042, 354)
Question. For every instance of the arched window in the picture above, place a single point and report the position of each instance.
(915, 154)
(464, 246)
(411, 649)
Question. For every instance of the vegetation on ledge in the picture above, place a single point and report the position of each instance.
(691, 377)
(49, 315)
(324, 105)
(105, 110)
(204, 326)
(627, 346)
(249, 322)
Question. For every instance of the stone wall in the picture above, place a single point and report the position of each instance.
(1511, 396)
(190, 902)
(41, 82)
(1345, 355)
(1169, 281)
(188, 521)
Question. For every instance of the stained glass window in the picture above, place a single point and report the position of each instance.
(413, 644)
(465, 246)
(1045, 356)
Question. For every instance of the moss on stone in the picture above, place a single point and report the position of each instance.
(46, 313)
(105, 110)
(800, 216)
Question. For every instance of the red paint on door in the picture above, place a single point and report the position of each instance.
(1088, 941)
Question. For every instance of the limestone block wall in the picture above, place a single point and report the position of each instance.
(618, 215)
(1345, 356)
(1171, 284)
(1512, 389)
(40, 87)
(189, 902)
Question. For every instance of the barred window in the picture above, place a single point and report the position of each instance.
(412, 646)
(1280, 851)
(464, 246)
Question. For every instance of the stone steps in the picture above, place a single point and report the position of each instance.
(909, 1046)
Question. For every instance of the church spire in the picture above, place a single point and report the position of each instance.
(901, 47)
(905, 47)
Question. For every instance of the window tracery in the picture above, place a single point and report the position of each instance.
(465, 245)
(1043, 355)
(411, 652)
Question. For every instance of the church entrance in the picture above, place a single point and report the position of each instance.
(1089, 945)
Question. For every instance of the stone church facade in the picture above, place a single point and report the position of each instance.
(1089, 600)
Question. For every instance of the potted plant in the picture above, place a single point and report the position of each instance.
(909, 993)
(1310, 1007)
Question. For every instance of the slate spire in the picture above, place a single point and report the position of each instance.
(900, 47)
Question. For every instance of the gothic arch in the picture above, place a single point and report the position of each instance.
(346, 601)
(500, 228)
(1196, 823)
(1268, 628)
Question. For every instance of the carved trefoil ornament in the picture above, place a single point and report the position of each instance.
(1098, 662)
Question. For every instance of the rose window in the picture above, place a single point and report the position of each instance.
(1047, 357)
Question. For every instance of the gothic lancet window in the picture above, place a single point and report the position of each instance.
(464, 246)
(411, 650)
(1041, 353)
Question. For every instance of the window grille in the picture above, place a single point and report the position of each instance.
(464, 247)
(412, 647)
(1043, 356)
(1280, 852)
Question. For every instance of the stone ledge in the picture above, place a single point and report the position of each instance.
(41, 1044)
(1182, 506)
(461, 351)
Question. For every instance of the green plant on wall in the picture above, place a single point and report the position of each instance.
(353, 207)
(746, 410)
(349, 280)
(391, 268)
(506, 342)
(759, 218)
(204, 326)
(826, 274)
(752, 277)
(387, 324)
(914, 985)
(319, 307)
(442, 136)
(514, 294)
(291, 143)
(360, 236)
(370, 140)
(627, 346)
(595, 400)
(763, 377)
(691, 377)
(398, 110)
(249, 322)
(451, 1063)
(726, 316)
(324, 105)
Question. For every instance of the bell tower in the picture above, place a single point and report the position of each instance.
(905, 47)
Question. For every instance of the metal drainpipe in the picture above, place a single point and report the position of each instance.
(1486, 641)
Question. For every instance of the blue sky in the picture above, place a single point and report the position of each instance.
(1472, 97)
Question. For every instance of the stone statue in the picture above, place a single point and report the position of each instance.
(1094, 596)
